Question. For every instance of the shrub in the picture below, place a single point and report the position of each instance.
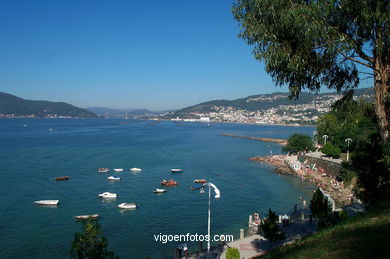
(232, 253)
(331, 150)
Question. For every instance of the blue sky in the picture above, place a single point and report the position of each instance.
(162, 54)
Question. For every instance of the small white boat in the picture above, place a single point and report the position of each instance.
(104, 170)
(85, 217)
(118, 170)
(107, 195)
(176, 170)
(113, 178)
(47, 202)
(135, 170)
(127, 205)
(159, 190)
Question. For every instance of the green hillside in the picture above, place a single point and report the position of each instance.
(265, 101)
(366, 236)
(11, 105)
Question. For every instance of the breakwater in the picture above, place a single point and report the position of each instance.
(282, 142)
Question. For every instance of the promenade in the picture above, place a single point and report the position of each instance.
(255, 245)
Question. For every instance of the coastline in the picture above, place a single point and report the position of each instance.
(290, 165)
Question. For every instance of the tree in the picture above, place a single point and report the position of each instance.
(270, 228)
(320, 207)
(331, 150)
(90, 243)
(309, 44)
(298, 142)
(232, 253)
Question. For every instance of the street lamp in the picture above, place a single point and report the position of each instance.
(325, 137)
(217, 196)
(348, 140)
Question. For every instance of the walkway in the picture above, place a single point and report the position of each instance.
(256, 244)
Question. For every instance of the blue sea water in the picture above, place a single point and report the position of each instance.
(31, 156)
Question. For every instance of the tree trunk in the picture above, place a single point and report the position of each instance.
(381, 81)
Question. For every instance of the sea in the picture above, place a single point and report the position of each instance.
(35, 151)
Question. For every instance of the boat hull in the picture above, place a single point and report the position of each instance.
(87, 217)
(127, 206)
(62, 178)
(47, 202)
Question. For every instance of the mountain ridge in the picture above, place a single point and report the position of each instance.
(14, 106)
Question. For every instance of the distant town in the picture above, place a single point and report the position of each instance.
(292, 114)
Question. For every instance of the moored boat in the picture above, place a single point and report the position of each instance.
(62, 178)
(47, 202)
(118, 170)
(86, 217)
(103, 170)
(135, 170)
(127, 205)
(113, 178)
(159, 190)
(176, 170)
(200, 181)
(107, 195)
(197, 186)
(171, 182)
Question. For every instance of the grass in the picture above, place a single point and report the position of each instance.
(365, 236)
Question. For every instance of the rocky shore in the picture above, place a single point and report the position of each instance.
(334, 186)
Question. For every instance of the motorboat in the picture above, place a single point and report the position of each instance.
(127, 205)
(86, 217)
(107, 195)
(62, 178)
(197, 186)
(174, 171)
(113, 178)
(118, 170)
(47, 202)
(103, 170)
(135, 170)
(159, 190)
(200, 181)
(171, 182)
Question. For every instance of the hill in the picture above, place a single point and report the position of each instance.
(365, 236)
(267, 108)
(13, 106)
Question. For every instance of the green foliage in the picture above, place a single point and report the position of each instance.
(90, 243)
(347, 173)
(370, 161)
(347, 119)
(320, 208)
(232, 253)
(270, 228)
(313, 44)
(363, 236)
(331, 150)
(298, 142)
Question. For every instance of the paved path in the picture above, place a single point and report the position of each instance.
(257, 244)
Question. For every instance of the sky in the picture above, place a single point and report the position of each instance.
(154, 54)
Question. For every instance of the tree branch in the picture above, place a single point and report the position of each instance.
(356, 60)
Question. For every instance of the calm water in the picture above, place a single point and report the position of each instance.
(30, 157)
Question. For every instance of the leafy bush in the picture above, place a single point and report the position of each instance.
(298, 142)
(90, 243)
(232, 253)
(331, 150)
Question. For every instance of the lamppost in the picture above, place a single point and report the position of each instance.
(348, 140)
(325, 137)
(217, 196)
